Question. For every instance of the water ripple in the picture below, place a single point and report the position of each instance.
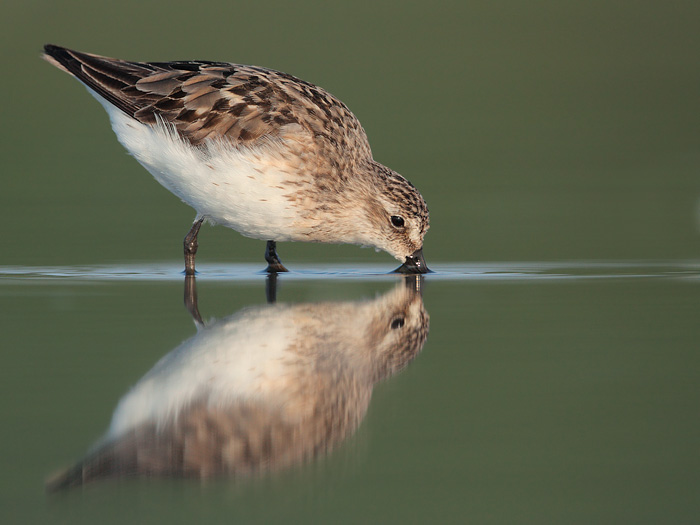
(452, 271)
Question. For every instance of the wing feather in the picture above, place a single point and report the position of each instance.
(206, 100)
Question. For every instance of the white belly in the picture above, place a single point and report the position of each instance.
(242, 188)
(244, 357)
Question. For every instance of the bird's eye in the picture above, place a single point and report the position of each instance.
(397, 221)
(397, 323)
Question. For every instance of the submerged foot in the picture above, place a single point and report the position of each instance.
(190, 299)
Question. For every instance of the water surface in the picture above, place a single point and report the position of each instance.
(543, 390)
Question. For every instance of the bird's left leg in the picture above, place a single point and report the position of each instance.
(190, 245)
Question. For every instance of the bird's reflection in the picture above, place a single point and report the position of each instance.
(266, 388)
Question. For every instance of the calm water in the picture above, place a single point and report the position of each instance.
(543, 392)
(556, 145)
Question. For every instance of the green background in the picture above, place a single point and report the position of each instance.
(537, 131)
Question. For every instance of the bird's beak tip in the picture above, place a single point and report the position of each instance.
(415, 263)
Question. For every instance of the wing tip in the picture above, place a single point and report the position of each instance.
(57, 56)
(64, 479)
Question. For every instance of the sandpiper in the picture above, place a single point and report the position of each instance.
(264, 389)
(265, 153)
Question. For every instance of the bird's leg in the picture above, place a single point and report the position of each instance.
(191, 299)
(191, 245)
(274, 265)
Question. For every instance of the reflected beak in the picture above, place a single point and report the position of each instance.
(415, 263)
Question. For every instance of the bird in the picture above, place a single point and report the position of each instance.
(261, 390)
(257, 150)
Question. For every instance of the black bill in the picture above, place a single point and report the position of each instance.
(415, 263)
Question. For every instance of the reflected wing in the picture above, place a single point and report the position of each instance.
(203, 442)
(204, 99)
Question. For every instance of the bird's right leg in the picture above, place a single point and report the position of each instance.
(191, 245)
(274, 265)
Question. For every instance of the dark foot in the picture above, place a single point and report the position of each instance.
(191, 299)
(274, 265)
(190, 245)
